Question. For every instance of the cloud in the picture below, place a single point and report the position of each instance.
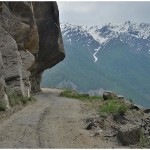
(98, 13)
(77, 7)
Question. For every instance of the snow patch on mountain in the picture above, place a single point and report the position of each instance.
(135, 35)
(96, 35)
(110, 31)
(94, 55)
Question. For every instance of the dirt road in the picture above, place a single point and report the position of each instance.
(51, 122)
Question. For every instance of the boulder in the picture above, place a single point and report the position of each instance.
(129, 134)
(136, 107)
(108, 95)
(147, 110)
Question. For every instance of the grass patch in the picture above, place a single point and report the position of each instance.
(24, 99)
(13, 98)
(75, 95)
(114, 107)
(16, 99)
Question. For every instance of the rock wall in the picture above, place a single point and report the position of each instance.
(3, 96)
(30, 42)
(51, 49)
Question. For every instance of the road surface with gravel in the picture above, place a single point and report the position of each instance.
(51, 122)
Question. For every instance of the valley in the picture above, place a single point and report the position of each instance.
(120, 63)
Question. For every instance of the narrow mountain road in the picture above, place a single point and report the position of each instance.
(51, 122)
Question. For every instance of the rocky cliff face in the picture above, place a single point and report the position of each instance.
(30, 42)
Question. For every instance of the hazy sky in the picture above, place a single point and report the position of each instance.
(98, 13)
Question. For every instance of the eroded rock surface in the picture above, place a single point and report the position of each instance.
(30, 42)
(12, 62)
(51, 49)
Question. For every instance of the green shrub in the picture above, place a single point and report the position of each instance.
(24, 99)
(66, 93)
(13, 98)
(74, 94)
(16, 99)
(113, 106)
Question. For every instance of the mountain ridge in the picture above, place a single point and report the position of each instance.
(130, 33)
(116, 65)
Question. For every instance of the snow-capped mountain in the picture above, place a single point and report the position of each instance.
(109, 57)
(137, 36)
(78, 35)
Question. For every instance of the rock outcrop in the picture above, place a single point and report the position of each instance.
(51, 49)
(30, 42)
(129, 134)
(107, 95)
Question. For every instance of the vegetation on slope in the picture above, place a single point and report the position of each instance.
(111, 115)
(83, 97)
(113, 106)
(15, 99)
(118, 69)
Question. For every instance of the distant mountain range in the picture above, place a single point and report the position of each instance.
(110, 57)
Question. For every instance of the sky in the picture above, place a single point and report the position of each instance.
(100, 13)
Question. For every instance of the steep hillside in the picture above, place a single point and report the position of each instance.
(109, 58)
